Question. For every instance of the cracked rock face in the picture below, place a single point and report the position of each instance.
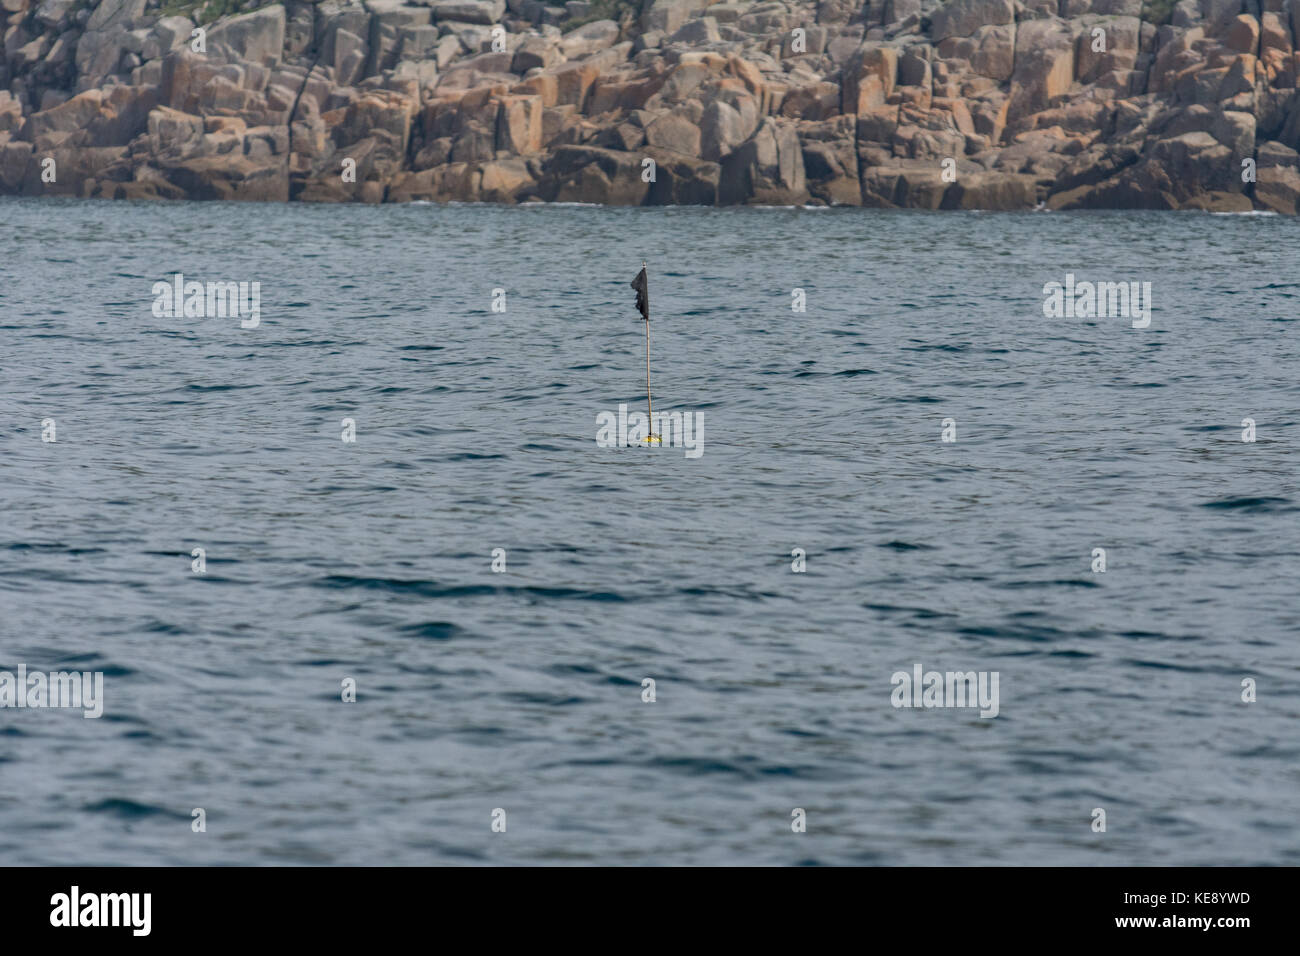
(965, 104)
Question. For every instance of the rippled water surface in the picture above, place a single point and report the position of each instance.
(522, 690)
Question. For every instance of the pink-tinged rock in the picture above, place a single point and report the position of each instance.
(961, 18)
(533, 53)
(52, 127)
(1277, 184)
(869, 78)
(675, 133)
(572, 81)
(767, 169)
(114, 14)
(1044, 65)
(504, 180)
(14, 159)
(519, 124)
(594, 175)
(817, 101)
(1173, 58)
(543, 85)
(257, 37)
(991, 191)
(1242, 34)
(588, 39)
(1122, 36)
(994, 53)
(11, 113)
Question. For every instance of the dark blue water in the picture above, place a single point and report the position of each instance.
(522, 690)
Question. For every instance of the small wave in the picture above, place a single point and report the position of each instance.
(1250, 505)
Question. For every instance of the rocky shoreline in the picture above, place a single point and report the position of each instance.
(969, 104)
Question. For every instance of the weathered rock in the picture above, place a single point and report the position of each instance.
(831, 165)
(572, 81)
(232, 176)
(535, 53)
(992, 191)
(675, 133)
(256, 37)
(114, 14)
(168, 34)
(469, 11)
(504, 181)
(767, 169)
(52, 13)
(961, 18)
(869, 78)
(668, 15)
(1277, 186)
(698, 31)
(171, 131)
(1194, 163)
(15, 157)
(519, 124)
(456, 181)
(994, 53)
(588, 39)
(1044, 65)
(11, 113)
(593, 175)
(681, 180)
(1076, 101)
(904, 184)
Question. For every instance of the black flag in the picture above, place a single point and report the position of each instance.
(642, 294)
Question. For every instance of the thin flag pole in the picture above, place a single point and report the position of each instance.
(649, 407)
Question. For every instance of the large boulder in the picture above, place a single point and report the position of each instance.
(994, 51)
(767, 169)
(65, 124)
(504, 180)
(675, 133)
(53, 13)
(469, 11)
(722, 129)
(452, 182)
(961, 18)
(1044, 65)
(11, 113)
(682, 180)
(114, 14)
(519, 124)
(1196, 163)
(904, 184)
(588, 39)
(869, 78)
(168, 34)
(1277, 185)
(591, 174)
(1122, 39)
(667, 16)
(256, 37)
(831, 164)
(992, 191)
(14, 159)
(230, 176)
